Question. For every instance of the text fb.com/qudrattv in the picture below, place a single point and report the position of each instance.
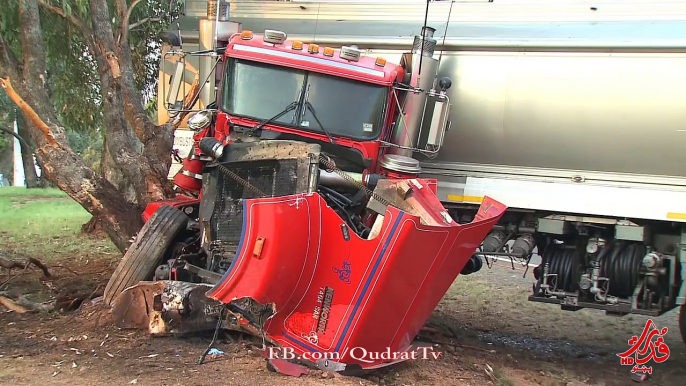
(357, 353)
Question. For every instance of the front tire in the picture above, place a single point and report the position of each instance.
(146, 252)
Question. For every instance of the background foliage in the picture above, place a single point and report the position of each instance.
(72, 77)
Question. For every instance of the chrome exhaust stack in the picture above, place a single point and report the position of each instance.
(421, 68)
(214, 28)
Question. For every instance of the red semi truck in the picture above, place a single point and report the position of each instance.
(300, 216)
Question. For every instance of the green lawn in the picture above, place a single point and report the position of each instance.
(46, 223)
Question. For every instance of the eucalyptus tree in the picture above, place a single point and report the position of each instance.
(89, 65)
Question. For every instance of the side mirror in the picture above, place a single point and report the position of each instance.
(439, 122)
(439, 119)
(173, 102)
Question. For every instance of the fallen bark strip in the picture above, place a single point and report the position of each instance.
(11, 264)
(12, 305)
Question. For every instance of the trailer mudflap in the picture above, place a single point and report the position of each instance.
(331, 291)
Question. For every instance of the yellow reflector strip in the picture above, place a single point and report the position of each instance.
(457, 198)
(676, 216)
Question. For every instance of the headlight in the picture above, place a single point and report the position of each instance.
(200, 120)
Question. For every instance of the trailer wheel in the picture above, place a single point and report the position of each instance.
(146, 252)
(682, 322)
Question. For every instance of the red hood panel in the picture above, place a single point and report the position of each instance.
(332, 291)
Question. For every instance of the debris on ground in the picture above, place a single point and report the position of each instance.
(11, 264)
(215, 353)
(11, 305)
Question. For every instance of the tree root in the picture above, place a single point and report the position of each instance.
(11, 264)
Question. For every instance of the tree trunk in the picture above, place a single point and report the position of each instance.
(60, 164)
(113, 174)
(27, 154)
(136, 148)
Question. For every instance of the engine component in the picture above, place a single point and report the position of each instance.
(200, 120)
(189, 178)
(405, 166)
(594, 245)
(524, 245)
(212, 147)
(493, 241)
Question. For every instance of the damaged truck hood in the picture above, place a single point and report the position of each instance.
(330, 290)
(327, 289)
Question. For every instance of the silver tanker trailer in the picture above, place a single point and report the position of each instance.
(573, 113)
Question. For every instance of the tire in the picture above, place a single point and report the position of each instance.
(146, 252)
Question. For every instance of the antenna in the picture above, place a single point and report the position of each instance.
(426, 19)
(445, 33)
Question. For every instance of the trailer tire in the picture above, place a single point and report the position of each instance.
(147, 250)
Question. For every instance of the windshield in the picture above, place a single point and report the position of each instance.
(261, 91)
(344, 107)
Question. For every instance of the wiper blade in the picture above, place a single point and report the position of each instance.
(314, 115)
(288, 108)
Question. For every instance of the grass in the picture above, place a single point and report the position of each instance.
(502, 378)
(46, 224)
(13, 191)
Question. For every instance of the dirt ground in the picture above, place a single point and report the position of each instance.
(484, 322)
(481, 322)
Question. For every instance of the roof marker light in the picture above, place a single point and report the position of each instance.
(380, 61)
(246, 34)
(274, 36)
(297, 45)
(313, 48)
(328, 51)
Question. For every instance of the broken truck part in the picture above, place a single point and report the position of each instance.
(547, 114)
(302, 279)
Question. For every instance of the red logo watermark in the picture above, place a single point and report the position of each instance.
(649, 346)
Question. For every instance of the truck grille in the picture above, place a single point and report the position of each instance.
(273, 177)
(275, 168)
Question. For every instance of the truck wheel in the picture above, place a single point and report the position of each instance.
(146, 252)
(682, 322)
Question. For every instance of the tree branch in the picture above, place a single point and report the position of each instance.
(17, 136)
(125, 22)
(28, 111)
(143, 21)
(71, 18)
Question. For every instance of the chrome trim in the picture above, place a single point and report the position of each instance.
(191, 174)
(455, 169)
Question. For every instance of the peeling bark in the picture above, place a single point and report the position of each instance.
(28, 111)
